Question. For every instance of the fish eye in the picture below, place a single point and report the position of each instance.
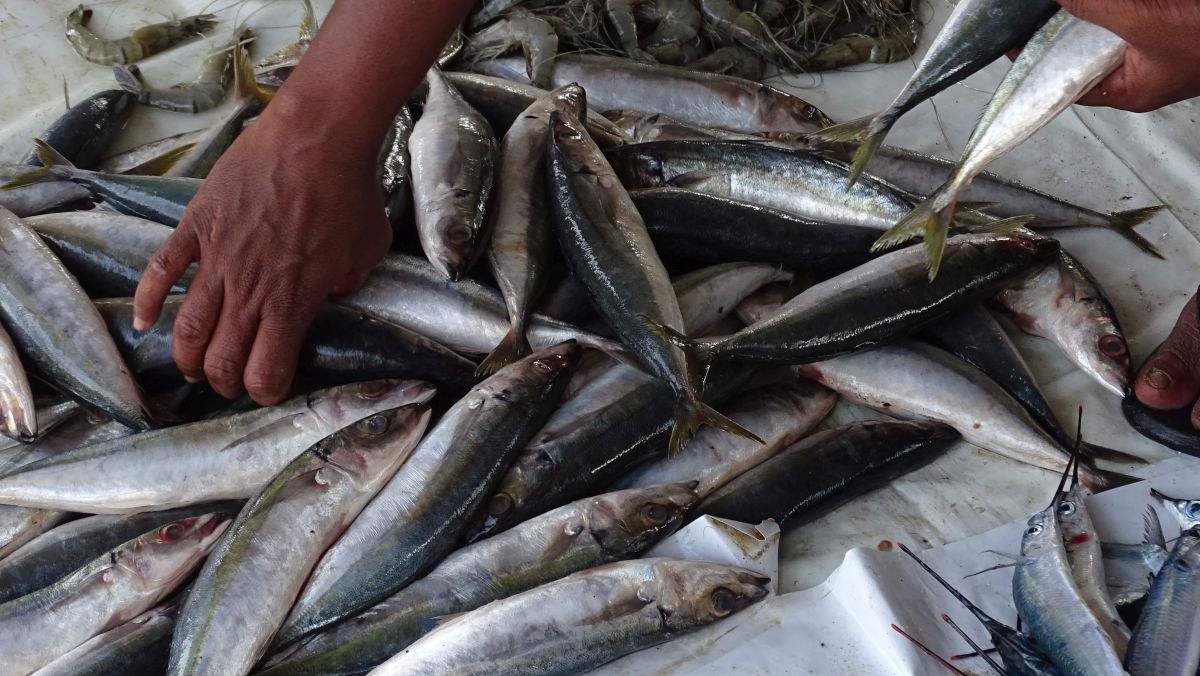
(1192, 509)
(171, 532)
(1112, 347)
(1066, 508)
(723, 601)
(500, 504)
(1033, 530)
(373, 390)
(376, 424)
(655, 514)
(460, 234)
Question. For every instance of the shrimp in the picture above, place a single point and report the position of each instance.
(733, 60)
(273, 70)
(678, 24)
(620, 16)
(855, 49)
(204, 93)
(533, 35)
(142, 43)
(728, 25)
(489, 12)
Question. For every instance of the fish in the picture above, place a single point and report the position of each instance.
(1060, 63)
(708, 295)
(274, 70)
(1186, 512)
(395, 171)
(826, 470)
(846, 314)
(780, 414)
(421, 514)
(105, 251)
(36, 196)
(1172, 429)
(465, 316)
(247, 585)
(586, 533)
(141, 43)
(1064, 303)
(976, 33)
(84, 133)
(110, 590)
(454, 153)
(156, 156)
(583, 620)
(606, 244)
(765, 301)
(704, 99)
(707, 228)
(189, 464)
(18, 416)
(140, 646)
(1166, 641)
(57, 553)
(520, 245)
(57, 329)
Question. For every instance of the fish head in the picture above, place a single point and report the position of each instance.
(347, 404)
(695, 593)
(570, 99)
(627, 522)
(374, 447)
(549, 368)
(1073, 517)
(164, 557)
(1186, 512)
(1041, 534)
(1107, 353)
(504, 507)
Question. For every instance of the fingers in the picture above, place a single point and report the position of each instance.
(195, 323)
(1170, 378)
(272, 363)
(228, 350)
(166, 267)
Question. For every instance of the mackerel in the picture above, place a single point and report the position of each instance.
(18, 417)
(38, 196)
(1167, 639)
(139, 646)
(395, 170)
(84, 133)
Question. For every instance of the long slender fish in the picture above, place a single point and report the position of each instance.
(1185, 511)
(421, 514)
(189, 464)
(975, 34)
(18, 416)
(111, 590)
(246, 587)
(57, 328)
(583, 620)
(704, 99)
(1166, 641)
(827, 470)
(607, 246)
(1065, 304)
(520, 244)
(140, 646)
(589, 532)
(84, 133)
(454, 158)
(1060, 63)
(780, 414)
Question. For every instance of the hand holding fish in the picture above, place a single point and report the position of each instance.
(1160, 62)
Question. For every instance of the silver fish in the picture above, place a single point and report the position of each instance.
(138, 646)
(39, 196)
(708, 295)
(18, 416)
(1186, 512)
(154, 157)
(583, 620)
(1166, 641)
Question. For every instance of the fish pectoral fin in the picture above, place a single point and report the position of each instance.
(263, 433)
(1152, 532)
(689, 180)
(1005, 226)
(512, 347)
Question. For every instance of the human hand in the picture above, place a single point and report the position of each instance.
(289, 214)
(1160, 62)
(1170, 378)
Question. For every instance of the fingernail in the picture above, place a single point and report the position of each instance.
(1158, 379)
(193, 380)
(140, 324)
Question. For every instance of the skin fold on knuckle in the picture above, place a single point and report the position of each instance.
(223, 372)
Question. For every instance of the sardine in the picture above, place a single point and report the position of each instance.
(140, 646)
(583, 620)
(18, 417)
(589, 532)
(1166, 641)
(421, 514)
(189, 464)
(56, 327)
(111, 590)
(520, 245)
(246, 587)
(454, 158)
(828, 469)
(84, 133)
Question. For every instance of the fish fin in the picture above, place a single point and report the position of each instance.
(1123, 223)
(690, 415)
(157, 166)
(24, 178)
(129, 77)
(935, 240)
(1094, 452)
(854, 131)
(908, 228)
(263, 432)
(245, 87)
(1004, 226)
(976, 206)
(866, 151)
(308, 22)
(511, 348)
(1097, 479)
(998, 566)
(1152, 532)
(671, 335)
(49, 157)
(443, 620)
(51, 160)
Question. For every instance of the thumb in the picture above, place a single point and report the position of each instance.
(1119, 16)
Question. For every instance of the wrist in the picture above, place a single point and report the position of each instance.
(324, 131)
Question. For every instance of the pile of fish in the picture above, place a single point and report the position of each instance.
(631, 301)
(1089, 607)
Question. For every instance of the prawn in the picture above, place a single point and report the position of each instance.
(535, 37)
(729, 25)
(732, 60)
(678, 24)
(620, 16)
(143, 42)
(204, 93)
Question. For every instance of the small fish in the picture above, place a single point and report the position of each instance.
(1166, 641)
(395, 171)
(140, 646)
(84, 133)
(1186, 512)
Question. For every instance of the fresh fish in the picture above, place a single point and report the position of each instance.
(38, 196)
(246, 587)
(421, 514)
(189, 464)
(1166, 641)
(827, 470)
(53, 555)
(395, 170)
(1130, 569)
(57, 329)
(976, 33)
(1060, 63)
(708, 295)
(19, 525)
(139, 646)
(341, 347)
(846, 313)
(921, 174)
(1172, 429)
(111, 590)
(1050, 604)
(84, 133)
(1186, 512)
(607, 246)
(583, 534)
(800, 183)
(454, 158)
(520, 245)
(781, 414)
(911, 379)
(105, 251)
(465, 316)
(766, 301)
(583, 620)
(703, 99)
(711, 229)
(141, 43)
(275, 69)
(156, 156)
(1064, 304)
(18, 417)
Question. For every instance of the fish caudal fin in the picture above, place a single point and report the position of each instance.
(511, 348)
(245, 87)
(1094, 452)
(1005, 226)
(1124, 222)
(926, 218)
(868, 132)
(690, 415)
(129, 77)
(157, 166)
(52, 163)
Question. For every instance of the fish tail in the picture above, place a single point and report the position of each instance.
(53, 163)
(129, 77)
(1124, 222)
(853, 131)
(511, 348)
(158, 166)
(1094, 452)
(1097, 479)
(691, 414)
(308, 22)
(245, 87)
(1004, 226)
(927, 218)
